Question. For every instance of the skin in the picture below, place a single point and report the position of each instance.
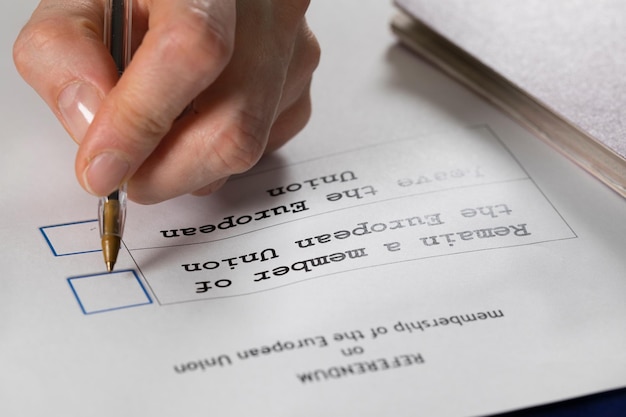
(245, 65)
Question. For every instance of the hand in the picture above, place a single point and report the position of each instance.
(245, 64)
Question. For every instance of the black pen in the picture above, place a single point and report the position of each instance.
(112, 209)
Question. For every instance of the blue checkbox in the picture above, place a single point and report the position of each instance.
(103, 292)
(72, 238)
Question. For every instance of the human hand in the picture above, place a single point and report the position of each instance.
(245, 64)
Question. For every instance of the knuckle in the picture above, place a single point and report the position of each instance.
(32, 38)
(289, 15)
(145, 128)
(242, 144)
(313, 51)
(304, 110)
(297, 7)
(198, 43)
(301, 5)
(292, 121)
(41, 41)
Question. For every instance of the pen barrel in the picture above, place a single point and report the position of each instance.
(117, 31)
(111, 221)
(112, 209)
(112, 213)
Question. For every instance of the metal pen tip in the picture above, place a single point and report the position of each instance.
(112, 218)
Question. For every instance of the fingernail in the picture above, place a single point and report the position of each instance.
(105, 173)
(78, 103)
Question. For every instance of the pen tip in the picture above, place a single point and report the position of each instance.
(110, 266)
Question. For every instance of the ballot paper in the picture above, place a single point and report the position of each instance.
(411, 252)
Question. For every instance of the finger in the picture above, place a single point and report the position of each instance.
(226, 136)
(60, 53)
(290, 122)
(188, 44)
(304, 60)
(211, 188)
(231, 128)
(294, 110)
(234, 117)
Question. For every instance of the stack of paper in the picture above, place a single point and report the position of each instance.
(556, 66)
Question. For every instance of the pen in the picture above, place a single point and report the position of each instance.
(112, 208)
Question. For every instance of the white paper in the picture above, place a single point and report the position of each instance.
(412, 252)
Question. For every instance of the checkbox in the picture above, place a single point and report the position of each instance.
(73, 238)
(103, 292)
